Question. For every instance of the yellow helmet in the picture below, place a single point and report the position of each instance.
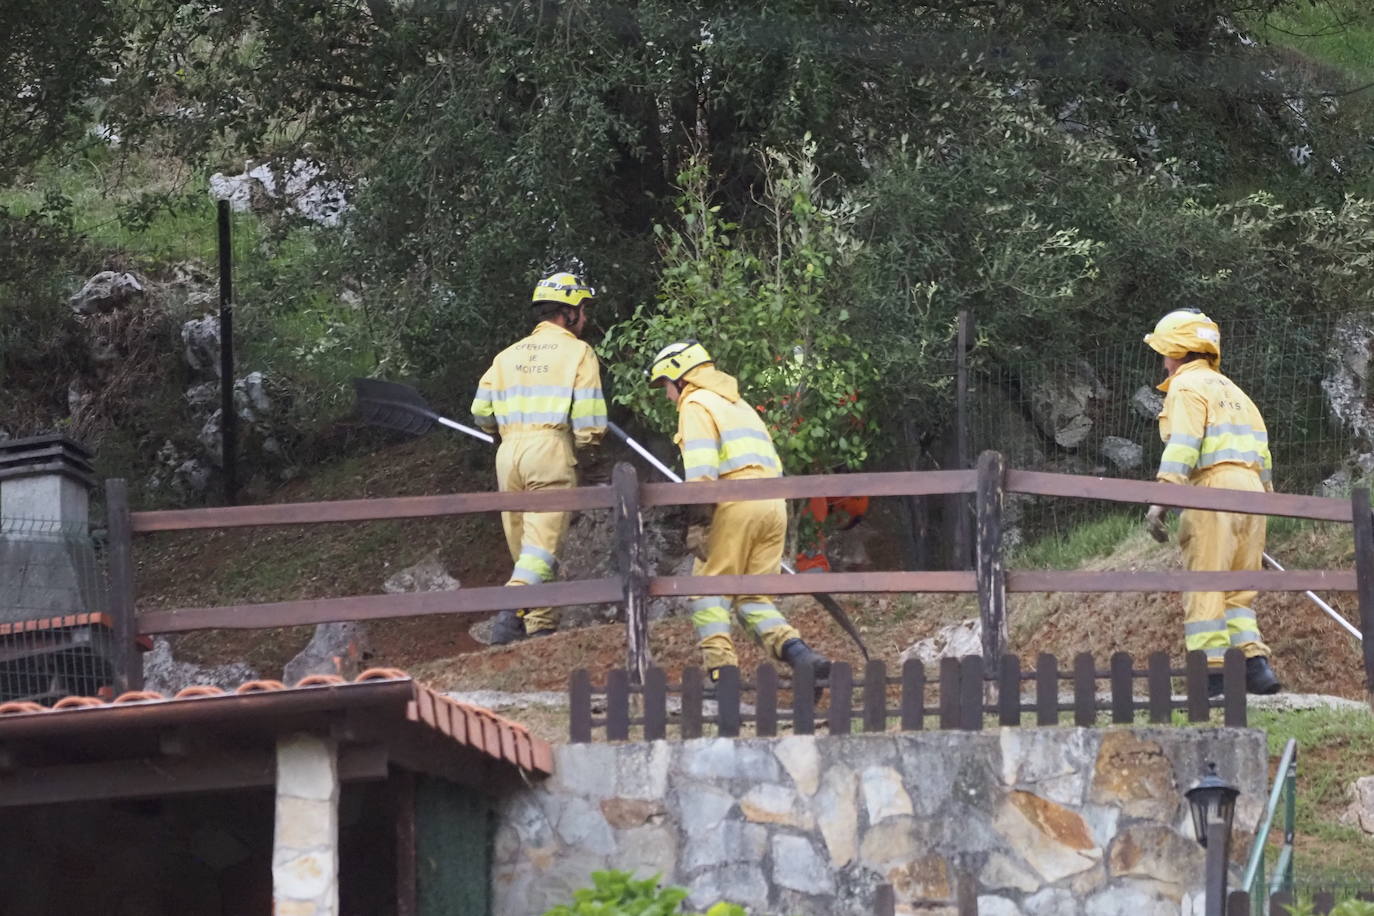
(676, 360)
(563, 288)
(1185, 331)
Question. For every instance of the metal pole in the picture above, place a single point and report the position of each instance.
(228, 425)
(963, 540)
(1217, 841)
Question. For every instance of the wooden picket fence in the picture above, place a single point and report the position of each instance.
(963, 695)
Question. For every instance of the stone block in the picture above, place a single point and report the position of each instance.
(796, 865)
(307, 767)
(627, 813)
(1052, 901)
(647, 851)
(884, 795)
(1155, 851)
(997, 906)
(582, 826)
(741, 883)
(770, 804)
(588, 770)
(702, 810)
(306, 876)
(1054, 763)
(305, 823)
(1132, 899)
(925, 879)
(893, 842)
(837, 814)
(1002, 872)
(733, 842)
(801, 760)
(1132, 772)
(1054, 840)
(715, 759)
(642, 771)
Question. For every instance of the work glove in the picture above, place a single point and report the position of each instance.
(696, 540)
(1154, 523)
(594, 466)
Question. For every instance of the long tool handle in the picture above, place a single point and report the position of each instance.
(643, 452)
(1321, 604)
(471, 431)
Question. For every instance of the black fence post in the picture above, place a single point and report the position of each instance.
(962, 443)
(228, 423)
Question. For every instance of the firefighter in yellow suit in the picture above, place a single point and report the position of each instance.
(543, 395)
(1213, 436)
(722, 438)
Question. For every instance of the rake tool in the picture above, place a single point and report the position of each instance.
(392, 405)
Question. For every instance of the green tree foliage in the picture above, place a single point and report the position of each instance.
(618, 893)
(492, 142)
(771, 304)
(52, 54)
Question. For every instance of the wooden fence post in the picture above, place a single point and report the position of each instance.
(630, 565)
(991, 570)
(1364, 578)
(128, 661)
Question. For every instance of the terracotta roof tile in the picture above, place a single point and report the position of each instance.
(473, 726)
(139, 696)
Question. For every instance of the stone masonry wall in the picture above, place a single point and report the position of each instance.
(1046, 822)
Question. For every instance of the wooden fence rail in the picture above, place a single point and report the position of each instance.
(632, 585)
(962, 694)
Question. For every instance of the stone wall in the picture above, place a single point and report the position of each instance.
(1040, 822)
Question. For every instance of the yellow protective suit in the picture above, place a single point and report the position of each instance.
(543, 394)
(722, 437)
(1215, 437)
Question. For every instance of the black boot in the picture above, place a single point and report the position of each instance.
(1260, 677)
(1215, 686)
(507, 628)
(797, 653)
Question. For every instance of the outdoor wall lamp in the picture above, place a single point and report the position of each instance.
(1213, 801)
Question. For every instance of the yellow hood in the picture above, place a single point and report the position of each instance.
(712, 379)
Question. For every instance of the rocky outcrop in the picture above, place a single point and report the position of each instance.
(107, 291)
(166, 675)
(952, 641)
(1062, 404)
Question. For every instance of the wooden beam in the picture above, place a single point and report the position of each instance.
(376, 607)
(830, 583)
(1364, 574)
(154, 777)
(991, 565)
(1166, 580)
(365, 510)
(1144, 492)
(632, 569)
(891, 483)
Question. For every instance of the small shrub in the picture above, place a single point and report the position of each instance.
(619, 893)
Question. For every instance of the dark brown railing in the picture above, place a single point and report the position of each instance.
(633, 585)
